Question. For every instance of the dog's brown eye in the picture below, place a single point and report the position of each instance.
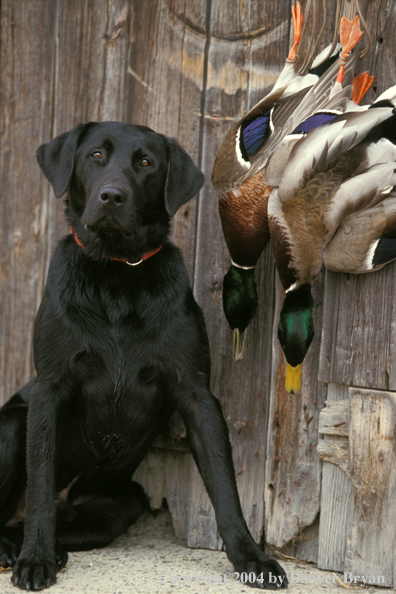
(97, 155)
(145, 162)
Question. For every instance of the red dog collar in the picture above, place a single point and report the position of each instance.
(144, 257)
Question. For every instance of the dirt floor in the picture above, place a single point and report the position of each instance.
(150, 559)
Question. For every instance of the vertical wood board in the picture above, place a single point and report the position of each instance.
(336, 503)
(27, 37)
(371, 544)
(359, 329)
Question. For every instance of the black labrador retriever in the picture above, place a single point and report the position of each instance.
(119, 343)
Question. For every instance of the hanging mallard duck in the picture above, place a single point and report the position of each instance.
(337, 181)
(238, 172)
(311, 170)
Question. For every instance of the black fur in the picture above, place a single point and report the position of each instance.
(117, 348)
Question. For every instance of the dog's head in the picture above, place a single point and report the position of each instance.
(123, 184)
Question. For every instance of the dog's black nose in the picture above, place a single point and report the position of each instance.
(112, 196)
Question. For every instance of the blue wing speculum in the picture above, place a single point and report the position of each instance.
(314, 121)
(254, 134)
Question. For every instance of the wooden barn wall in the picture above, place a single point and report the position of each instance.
(188, 70)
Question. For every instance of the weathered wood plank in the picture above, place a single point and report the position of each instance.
(336, 452)
(307, 543)
(243, 395)
(358, 334)
(337, 495)
(372, 435)
(333, 419)
(380, 61)
(177, 472)
(336, 506)
(248, 44)
(26, 95)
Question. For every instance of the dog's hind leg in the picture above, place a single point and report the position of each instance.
(12, 455)
(96, 523)
(12, 477)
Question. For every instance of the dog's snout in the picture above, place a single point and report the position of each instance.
(112, 196)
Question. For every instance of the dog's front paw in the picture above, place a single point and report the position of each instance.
(34, 573)
(259, 571)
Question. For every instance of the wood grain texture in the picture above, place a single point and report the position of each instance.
(337, 495)
(333, 419)
(358, 334)
(306, 547)
(358, 520)
(244, 399)
(336, 452)
(380, 61)
(372, 434)
(26, 93)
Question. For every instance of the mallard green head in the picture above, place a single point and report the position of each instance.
(295, 332)
(239, 303)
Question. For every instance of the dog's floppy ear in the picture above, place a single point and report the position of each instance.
(183, 179)
(56, 158)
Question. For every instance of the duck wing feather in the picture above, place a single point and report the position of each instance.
(325, 96)
(318, 151)
(365, 241)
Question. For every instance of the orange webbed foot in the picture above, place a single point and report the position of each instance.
(361, 85)
(297, 25)
(350, 34)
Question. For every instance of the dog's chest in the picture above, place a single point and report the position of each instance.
(122, 360)
(122, 393)
(113, 417)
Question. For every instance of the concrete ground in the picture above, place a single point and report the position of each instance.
(151, 559)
